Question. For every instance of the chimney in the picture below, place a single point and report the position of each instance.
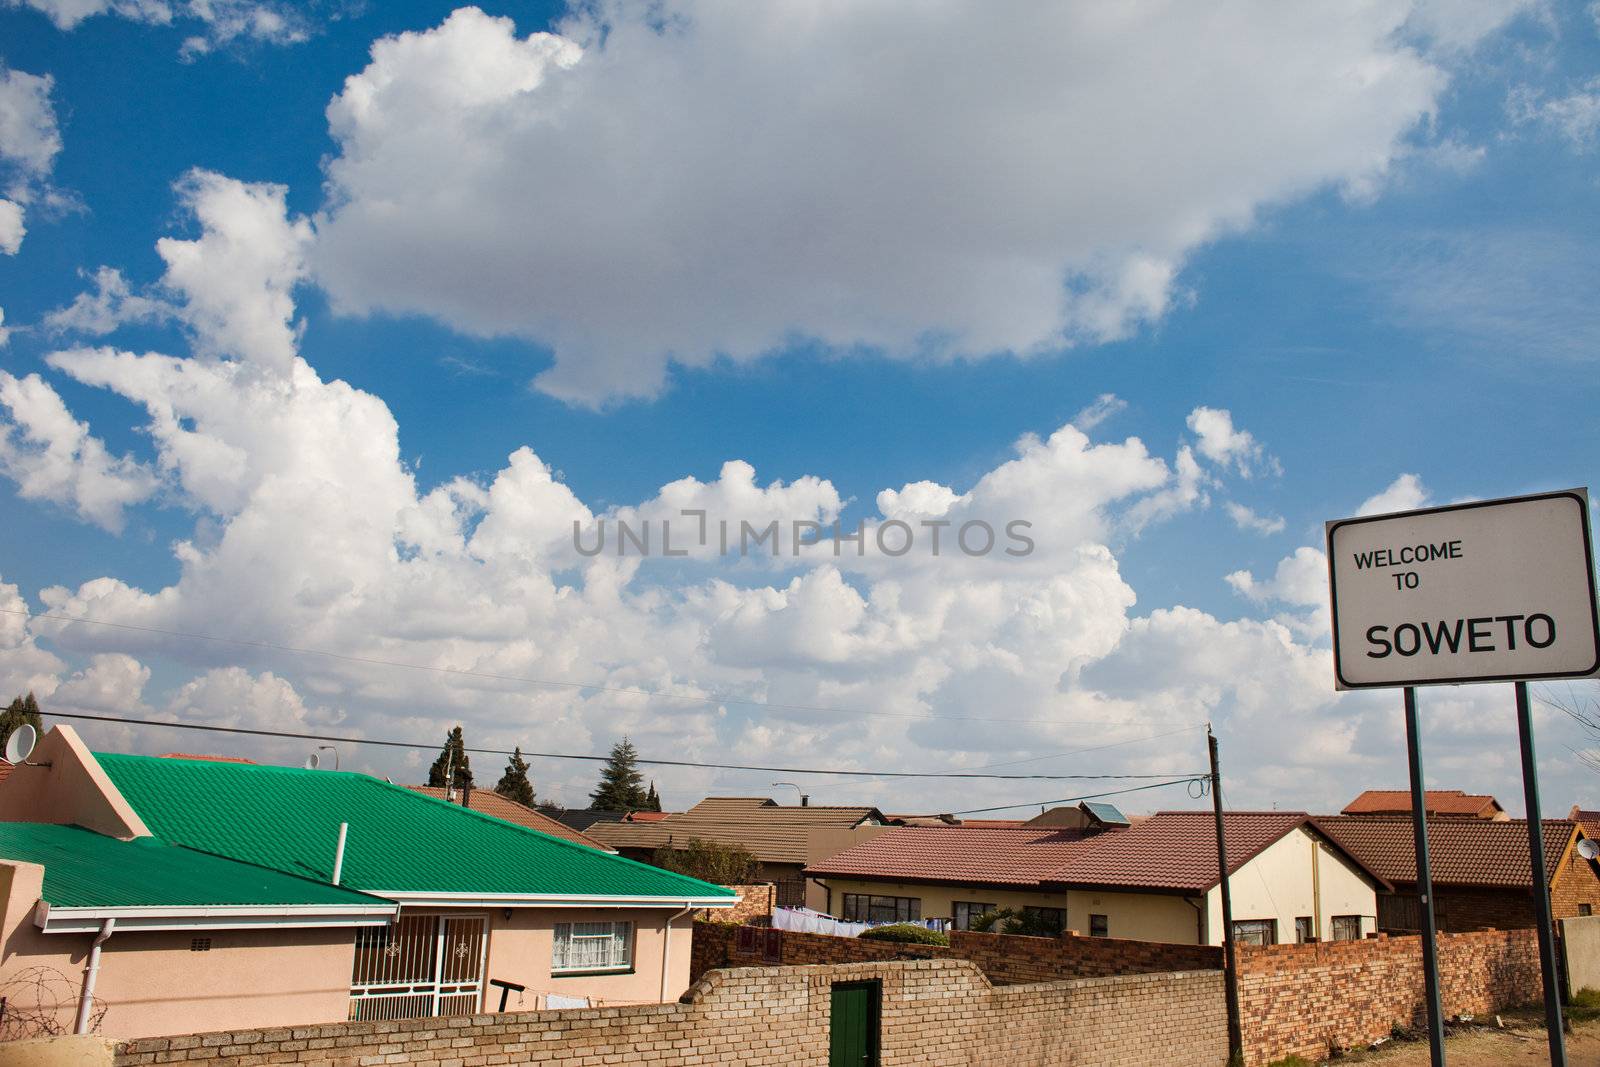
(805, 800)
(466, 795)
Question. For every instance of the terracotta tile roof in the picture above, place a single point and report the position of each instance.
(1177, 850)
(1438, 802)
(491, 803)
(212, 759)
(5, 770)
(1588, 819)
(964, 854)
(1170, 851)
(1464, 852)
(773, 833)
(647, 816)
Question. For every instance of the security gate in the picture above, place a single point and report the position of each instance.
(420, 965)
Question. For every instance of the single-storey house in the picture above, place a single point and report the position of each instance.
(1440, 803)
(205, 895)
(782, 838)
(1156, 880)
(1481, 873)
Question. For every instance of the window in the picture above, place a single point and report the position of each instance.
(1044, 922)
(1099, 926)
(606, 946)
(1585, 909)
(1303, 930)
(865, 908)
(1255, 931)
(200, 944)
(1347, 928)
(964, 911)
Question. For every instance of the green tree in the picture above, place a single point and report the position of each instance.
(709, 861)
(621, 785)
(19, 711)
(514, 784)
(452, 761)
(652, 799)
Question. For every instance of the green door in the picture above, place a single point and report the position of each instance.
(853, 1027)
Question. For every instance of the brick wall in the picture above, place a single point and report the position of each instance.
(755, 902)
(935, 1012)
(1005, 959)
(1574, 884)
(1311, 999)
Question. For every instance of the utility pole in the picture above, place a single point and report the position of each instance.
(1230, 960)
(1541, 881)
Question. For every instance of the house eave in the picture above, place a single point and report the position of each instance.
(78, 920)
(415, 898)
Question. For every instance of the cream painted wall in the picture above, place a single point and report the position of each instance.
(1141, 916)
(1278, 884)
(521, 949)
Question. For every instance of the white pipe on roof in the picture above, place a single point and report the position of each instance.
(338, 856)
(90, 971)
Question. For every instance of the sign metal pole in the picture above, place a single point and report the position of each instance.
(1230, 957)
(1419, 829)
(1541, 882)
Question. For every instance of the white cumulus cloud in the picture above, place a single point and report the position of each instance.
(29, 143)
(702, 179)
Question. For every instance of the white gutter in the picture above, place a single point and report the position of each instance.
(548, 900)
(666, 948)
(90, 971)
(55, 920)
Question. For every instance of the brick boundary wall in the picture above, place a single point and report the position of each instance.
(1006, 959)
(1313, 999)
(934, 1012)
(755, 903)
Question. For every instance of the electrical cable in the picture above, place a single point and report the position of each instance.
(429, 746)
(1063, 800)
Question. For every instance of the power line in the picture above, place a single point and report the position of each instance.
(428, 747)
(1073, 800)
(549, 683)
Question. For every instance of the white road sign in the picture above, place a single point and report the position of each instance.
(1500, 590)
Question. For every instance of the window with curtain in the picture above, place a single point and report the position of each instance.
(870, 908)
(602, 946)
(1256, 931)
(1347, 928)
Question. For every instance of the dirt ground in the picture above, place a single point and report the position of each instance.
(1522, 1042)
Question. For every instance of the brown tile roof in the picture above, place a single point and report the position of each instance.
(647, 816)
(963, 854)
(1464, 852)
(1177, 850)
(1588, 819)
(773, 833)
(1438, 802)
(1170, 851)
(491, 803)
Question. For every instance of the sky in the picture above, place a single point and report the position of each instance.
(336, 335)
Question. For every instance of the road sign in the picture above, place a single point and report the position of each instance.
(1498, 590)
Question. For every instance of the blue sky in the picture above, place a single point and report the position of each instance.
(1397, 279)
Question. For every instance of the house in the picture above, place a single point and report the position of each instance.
(1481, 873)
(421, 907)
(491, 803)
(1440, 803)
(1155, 880)
(782, 838)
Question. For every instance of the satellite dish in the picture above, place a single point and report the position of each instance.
(1587, 848)
(19, 746)
(313, 761)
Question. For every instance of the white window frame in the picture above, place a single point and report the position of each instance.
(626, 926)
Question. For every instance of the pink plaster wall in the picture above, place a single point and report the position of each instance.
(521, 949)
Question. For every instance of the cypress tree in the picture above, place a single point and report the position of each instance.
(453, 755)
(19, 711)
(621, 785)
(514, 784)
(652, 799)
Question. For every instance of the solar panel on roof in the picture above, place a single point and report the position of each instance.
(1109, 814)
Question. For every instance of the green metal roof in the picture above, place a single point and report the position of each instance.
(400, 841)
(83, 869)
